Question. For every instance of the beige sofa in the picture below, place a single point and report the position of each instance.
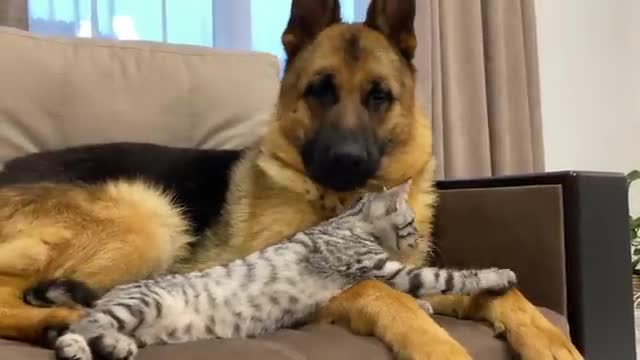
(56, 93)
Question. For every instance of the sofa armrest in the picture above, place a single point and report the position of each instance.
(566, 236)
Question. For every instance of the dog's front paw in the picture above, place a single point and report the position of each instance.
(529, 333)
(438, 349)
(373, 308)
(72, 347)
(114, 346)
(535, 338)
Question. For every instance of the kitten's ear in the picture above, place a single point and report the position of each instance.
(402, 190)
(399, 194)
(387, 203)
(308, 18)
(394, 19)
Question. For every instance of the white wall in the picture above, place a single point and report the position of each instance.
(589, 53)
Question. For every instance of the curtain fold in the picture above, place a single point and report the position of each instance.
(14, 13)
(478, 78)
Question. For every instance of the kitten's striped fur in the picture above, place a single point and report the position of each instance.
(277, 287)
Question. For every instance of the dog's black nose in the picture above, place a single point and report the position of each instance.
(339, 159)
(347, 157)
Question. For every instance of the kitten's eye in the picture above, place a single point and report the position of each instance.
(378, 97)
(323, 90)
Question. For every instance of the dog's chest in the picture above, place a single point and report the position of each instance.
(275, 218)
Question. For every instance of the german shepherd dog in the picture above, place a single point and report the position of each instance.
(346, 121)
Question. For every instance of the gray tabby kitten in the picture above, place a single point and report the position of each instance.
(277, 287)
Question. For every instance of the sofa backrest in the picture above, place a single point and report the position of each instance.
(59, 92)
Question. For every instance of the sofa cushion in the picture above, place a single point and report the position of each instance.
(313, 342)
(59, 92)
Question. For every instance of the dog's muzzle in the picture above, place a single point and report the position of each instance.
(342, 160)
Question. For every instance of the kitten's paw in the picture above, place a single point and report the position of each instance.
(114, 346)
(425, 305)
(499, 280)
(72, 347)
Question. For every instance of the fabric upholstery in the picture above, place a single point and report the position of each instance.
(64, 92)
(313, 342)
(520, 228)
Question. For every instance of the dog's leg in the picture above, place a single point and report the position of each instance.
(375, 309)
(19, 321)
(30, 324)
(530, 334)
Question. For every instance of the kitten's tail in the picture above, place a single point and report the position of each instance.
(60, 292)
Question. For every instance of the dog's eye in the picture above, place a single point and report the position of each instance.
(323, 90)
(377, 98)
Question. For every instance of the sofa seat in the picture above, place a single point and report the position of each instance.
(313, 342)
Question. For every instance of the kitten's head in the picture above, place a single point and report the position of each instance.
(390, 218)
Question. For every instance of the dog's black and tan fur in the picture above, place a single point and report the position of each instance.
(346, 121)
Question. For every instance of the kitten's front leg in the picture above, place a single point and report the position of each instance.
(421, 281)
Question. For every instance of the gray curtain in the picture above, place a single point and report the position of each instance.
(14, 13)
(478, 76)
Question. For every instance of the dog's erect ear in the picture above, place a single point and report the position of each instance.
(308, 18)
(394, 19)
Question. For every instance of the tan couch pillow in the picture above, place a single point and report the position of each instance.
(58, 92)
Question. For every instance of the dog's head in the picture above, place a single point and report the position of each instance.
(347, 98)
